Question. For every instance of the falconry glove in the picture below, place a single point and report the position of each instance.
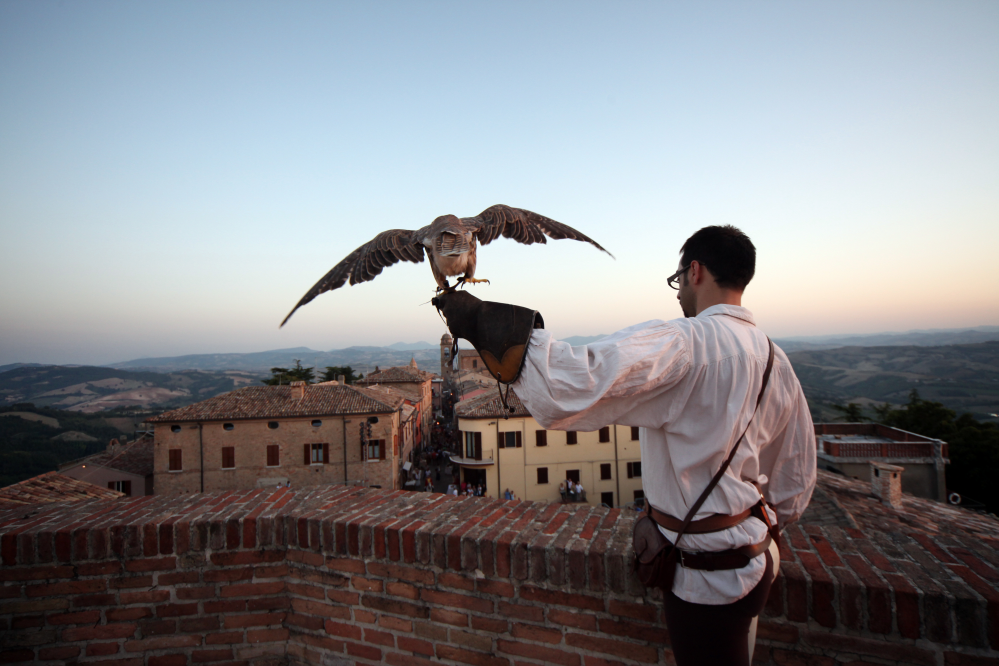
(498, 331)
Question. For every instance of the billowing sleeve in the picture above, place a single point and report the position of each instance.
(789, 463)
(613, 380)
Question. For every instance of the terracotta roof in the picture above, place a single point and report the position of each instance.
(53, 487)
(261, 402)
(384, 394)
(395, 391)
(407, 373)
(134, 458)
(488, 405)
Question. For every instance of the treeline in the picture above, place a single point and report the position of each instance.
(27, 447)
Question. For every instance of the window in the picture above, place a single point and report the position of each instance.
(475, 364)
(605, 434)
(542, 475)
(227, 426)
(639, 495)
(541, 437)
(570, 437)
(175, 428)
(510, 440)
(473, 445)
(376, 449)
(572, 474)
(273, 455)
(607, 499)
(121, 487)
(273, 425)
(634, 470)
(176, 462)
(634, 433)
(316, 423)
(317, 454)
(605, 471)
(228, 457)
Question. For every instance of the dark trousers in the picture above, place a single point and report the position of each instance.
(715, 635)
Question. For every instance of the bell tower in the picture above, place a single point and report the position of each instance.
(446, 361)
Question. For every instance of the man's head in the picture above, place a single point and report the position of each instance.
(717, 264)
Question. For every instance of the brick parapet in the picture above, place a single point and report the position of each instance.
(376, 576)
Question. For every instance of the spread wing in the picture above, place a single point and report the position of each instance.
(522, 226)
(367, 261)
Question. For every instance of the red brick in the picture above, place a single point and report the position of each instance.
(366, 584)
(393, 623)
(346, 564)
(8, 574)
(198, 624)
(415, 645)
(16, 656)
(456, 581)
(225, 606)
(176, 610)
(411, 574)
(642, 653)
(345, 598)
(102, 649)
(640, 632)
(168, 660)
(85, 600)
(204, 656)
(64, 589)
(81, 617)
(365, 617)
(644, 612)
(247, 557)
(27, 622)
(252, 589)
(784, 633)
(579, 601)
(157, 627)
(56, 653)
(252, 620)
(522, 612)
(307, 590)
(490, 625)
(396, 659)
(497, 587)
(129, 582)
(452, 599)
(226, 575)
(379, 637)
(268, 603)
(908, 654)
(405, 590)
(546, 654)
(343, 630)
(266, 635)
(308, 607)
(162, 643)
(394, 606)
(578, 620)
(445, 616)
(152, 564)
(147, 597)
(364, 651)
(795, 658)
(178, 578)
(304, 621)
(224, 638)
(102, 631)
(530, 632)
(97, 569)
(469, 657)
(958, 659)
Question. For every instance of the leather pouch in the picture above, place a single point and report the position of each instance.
(655, 556)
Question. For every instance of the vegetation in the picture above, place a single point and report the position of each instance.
(28, 448)
(333, 372)
(852, 412)
(281, 376)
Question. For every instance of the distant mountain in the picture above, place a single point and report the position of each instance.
(15, 366)
(412, 346)
(933, 337)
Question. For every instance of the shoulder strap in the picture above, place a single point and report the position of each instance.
(718, 475)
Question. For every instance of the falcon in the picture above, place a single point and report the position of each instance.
(449, 240)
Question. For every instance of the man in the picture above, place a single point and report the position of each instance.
(691, 385)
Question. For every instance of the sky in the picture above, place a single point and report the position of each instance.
(175, 176)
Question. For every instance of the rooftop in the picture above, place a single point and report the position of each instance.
(406, 373)
(52, 487)
(489, 405)
(262, 402)
(135, 458)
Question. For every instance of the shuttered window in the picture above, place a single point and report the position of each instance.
(316, 454)
(541, 438)
(273, 455)
(228, 457)
(176, 463)
(570, 437)
(376, 449)
(605, 471)
(634, 470)
(121, 486)
(542, 475)
(634, 433)
(605, 434)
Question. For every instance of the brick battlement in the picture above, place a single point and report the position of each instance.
(338, 575)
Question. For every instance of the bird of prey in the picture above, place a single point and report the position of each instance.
(449, 240)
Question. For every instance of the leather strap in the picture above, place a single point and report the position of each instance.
(718, 475)
(713, 523)
(735, 558)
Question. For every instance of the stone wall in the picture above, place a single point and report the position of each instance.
(338, 575)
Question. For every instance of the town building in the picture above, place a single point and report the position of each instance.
(266, 436)
(510, 450)
(849, 448)
(417, 384)
(125, 466)
(52, 487)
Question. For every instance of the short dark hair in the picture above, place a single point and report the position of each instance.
(726, 252)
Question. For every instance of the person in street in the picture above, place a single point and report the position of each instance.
(708, 392)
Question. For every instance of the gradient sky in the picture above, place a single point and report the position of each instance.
(174, 176)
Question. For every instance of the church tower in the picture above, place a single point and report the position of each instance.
(446, 361)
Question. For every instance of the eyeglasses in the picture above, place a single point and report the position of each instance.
(674, 279)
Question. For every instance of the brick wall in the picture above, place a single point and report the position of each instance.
(337, 575)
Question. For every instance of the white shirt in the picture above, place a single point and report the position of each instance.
(691, 386)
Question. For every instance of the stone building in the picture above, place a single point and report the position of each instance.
(849, 448)
(263, 436)
(503, 449)
(417, 383)
(125, 467)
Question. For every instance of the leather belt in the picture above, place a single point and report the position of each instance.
(735, 558)
(713, 523)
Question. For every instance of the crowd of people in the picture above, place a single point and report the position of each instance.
(571, 491)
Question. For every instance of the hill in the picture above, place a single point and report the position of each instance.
(934, 337)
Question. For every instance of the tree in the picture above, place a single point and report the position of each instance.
(333, 373)
(281, 376)
(974, 446)
(852, 413)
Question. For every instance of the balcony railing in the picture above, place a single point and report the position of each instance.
(486, 459)
(882, 449)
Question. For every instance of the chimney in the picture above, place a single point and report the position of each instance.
(341, 379)
(297, 390)
(886, 483)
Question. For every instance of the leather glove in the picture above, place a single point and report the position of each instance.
(498, 331)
